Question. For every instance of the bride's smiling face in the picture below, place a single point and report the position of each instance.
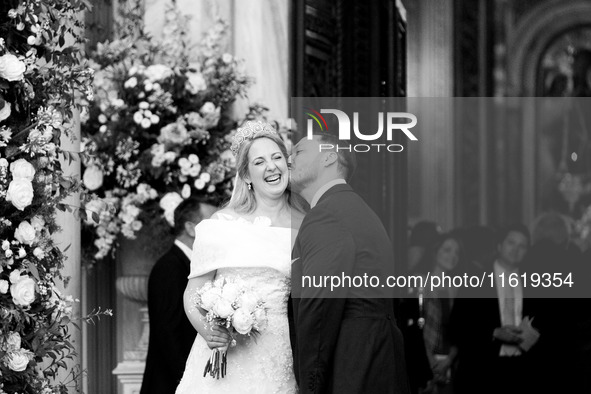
(267, 168)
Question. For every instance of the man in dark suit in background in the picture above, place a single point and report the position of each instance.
(343, 341)
(487, 327)
(171, 333)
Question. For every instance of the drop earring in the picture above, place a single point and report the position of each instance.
(249, 186)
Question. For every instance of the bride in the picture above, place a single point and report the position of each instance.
(251, 239)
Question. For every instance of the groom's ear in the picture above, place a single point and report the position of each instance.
(330, 158)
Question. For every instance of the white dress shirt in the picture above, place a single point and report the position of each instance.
(323, 189)
(508, 294)
(186, 250)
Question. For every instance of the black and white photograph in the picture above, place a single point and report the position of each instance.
(295, 196)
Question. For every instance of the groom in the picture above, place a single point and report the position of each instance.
(343, 341)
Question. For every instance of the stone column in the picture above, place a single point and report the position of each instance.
(70, 237)
(430, 74)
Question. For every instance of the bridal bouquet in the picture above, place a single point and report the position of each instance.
(231, 304)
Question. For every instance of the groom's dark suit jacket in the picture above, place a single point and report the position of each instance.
(352, 344)
(171, 333)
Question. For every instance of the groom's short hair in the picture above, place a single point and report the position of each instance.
(188, 210)
(347, 162)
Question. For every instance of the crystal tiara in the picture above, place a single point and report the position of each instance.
(248, 131)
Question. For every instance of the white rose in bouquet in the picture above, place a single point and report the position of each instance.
(25, 233)
(23, 291)
(223, 308)
(20, 193)
(11, 68)
(93, 178)
(248, 301)
(22, 169)
(210, 297)
(4, 285)
(231, 291)
(18, 360)
(13, 341)
(242, 321)
(168, 203)
(5, 111)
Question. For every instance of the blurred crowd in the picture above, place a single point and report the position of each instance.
(504, 338)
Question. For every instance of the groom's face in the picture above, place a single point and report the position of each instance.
(305, 163)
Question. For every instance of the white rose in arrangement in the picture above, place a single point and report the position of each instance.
(242, 321)
(186, 193)
(205, 176)
(194, 171)
(5, 111)
(11, 68)
(93, 206)
(193, 158)
(38, 223)
(184, 163)
(169, 203)
(207, 108)
(223, 308)
(146, 123)
(17, 360)
(170, 156)
(158, 72)
(15, 276)
(93, 178)
(228, 157)
(138, 117)
(25, 233)
(5, 244)
(22, 169)
(3, 163)
(4, 285)
(199, 184)
(39, 253)
(231, 291)
(14, 341)
(195, 82)
(23, 291)
(130, 83)
(227, 58)
(21, 252)
(20, 193)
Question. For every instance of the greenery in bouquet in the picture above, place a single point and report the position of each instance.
(42, 75)
(159, 130)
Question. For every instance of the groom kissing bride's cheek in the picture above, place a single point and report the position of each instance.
(237, 296)
(344, 339)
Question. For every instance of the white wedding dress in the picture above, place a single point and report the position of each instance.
(261, 256)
